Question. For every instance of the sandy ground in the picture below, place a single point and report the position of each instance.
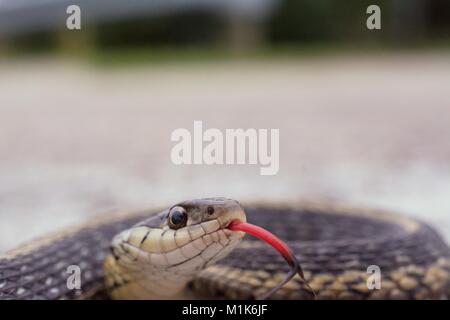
(76, 141)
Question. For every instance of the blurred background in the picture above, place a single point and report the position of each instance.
(86, 115)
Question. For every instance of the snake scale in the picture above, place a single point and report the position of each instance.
(186, 251)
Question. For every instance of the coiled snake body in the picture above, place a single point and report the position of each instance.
(186, 251)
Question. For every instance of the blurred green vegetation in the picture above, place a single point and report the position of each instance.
(297, 27)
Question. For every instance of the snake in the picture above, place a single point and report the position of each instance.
(189, 251)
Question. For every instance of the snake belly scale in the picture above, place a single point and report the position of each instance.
(186, 251)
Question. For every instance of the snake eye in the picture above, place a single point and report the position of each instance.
(177, 218)
(210, 210)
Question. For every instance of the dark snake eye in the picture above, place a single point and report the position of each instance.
(177, 218)
(210, 210)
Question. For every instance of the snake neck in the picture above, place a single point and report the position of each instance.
(126, 282)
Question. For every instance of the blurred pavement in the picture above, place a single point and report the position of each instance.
(76, 141)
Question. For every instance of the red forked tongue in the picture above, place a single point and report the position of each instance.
(278, 245)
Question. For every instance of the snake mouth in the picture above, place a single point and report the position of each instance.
(230, 225)
(234, 214)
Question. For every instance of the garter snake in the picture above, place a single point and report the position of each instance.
(186, 251)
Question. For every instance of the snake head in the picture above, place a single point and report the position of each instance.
(164, 252)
